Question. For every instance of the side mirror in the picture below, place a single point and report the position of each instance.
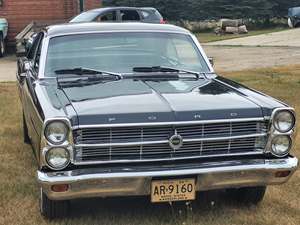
(211, 61)
(21, 53)
(26, 65)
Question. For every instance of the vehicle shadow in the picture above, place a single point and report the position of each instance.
(139, 210)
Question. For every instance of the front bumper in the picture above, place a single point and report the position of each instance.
(136, 180)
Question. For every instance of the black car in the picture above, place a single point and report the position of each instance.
(294, 17)
(120, 14)
(128, 109)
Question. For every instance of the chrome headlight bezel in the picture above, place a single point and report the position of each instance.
(66, 132)
(274, 132)
(276, 117)
(46, 144)
(59, 167)
(286, 152)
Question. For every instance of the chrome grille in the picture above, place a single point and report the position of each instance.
(138, 134)
(147, 143)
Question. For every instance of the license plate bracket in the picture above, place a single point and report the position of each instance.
(173, 190)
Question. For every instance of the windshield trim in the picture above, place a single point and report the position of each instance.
(193, 38)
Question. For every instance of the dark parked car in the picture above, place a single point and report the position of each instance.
(294, 17)
(127, 109)
(120, 14)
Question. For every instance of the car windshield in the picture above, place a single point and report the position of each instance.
(294, 11)
(85, 17)
(122, 52)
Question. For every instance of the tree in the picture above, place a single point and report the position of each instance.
(213, 9)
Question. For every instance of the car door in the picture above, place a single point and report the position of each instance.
(27, 78)
(24, 65)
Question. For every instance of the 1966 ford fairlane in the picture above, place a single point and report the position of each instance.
(136, 109)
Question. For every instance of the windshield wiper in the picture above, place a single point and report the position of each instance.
(91, 73)
(160, 69)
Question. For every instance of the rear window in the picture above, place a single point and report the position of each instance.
(145, 14)
(151, 15)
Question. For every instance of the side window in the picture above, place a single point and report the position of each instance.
(33, 47)
(130, 15)
(38, 52)
(145, 14)
(110, 16)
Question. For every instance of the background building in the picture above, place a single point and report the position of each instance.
(20, 13)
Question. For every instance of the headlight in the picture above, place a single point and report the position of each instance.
(58, 158)
(284, 121)
(281, 145)
(56, 132)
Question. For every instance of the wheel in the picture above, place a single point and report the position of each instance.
(2, 46)
(25, 132)
(248, 195)
(53, 209)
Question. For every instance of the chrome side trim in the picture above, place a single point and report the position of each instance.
(167, 141)
(169, 123)
(254, 153)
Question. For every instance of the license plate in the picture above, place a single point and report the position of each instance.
(173, 190)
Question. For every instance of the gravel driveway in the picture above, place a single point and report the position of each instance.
(239, 58)
(288, 38)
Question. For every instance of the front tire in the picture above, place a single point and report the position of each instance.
(51, 209)
(248, 195)
(2, 46)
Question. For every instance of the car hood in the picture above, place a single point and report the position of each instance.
(136, 101)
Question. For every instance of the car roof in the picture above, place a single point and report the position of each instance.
(120, 8)
(96, 27)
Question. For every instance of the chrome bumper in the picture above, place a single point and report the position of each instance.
(136, 180)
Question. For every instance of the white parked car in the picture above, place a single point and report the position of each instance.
(3, 35)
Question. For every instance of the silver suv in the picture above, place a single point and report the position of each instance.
(120, 14)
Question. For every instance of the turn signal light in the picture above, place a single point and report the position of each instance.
(282, 173)
(60, 187)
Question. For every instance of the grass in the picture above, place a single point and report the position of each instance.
(206, 37)
(19, 190)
